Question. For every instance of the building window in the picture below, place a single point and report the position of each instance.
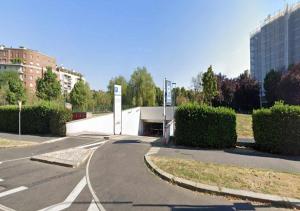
(30, 85)
(31, 77)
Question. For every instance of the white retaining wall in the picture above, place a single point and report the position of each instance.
(131, 124)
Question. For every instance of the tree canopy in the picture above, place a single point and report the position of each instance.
(209, 82)
(48, 87)
(80, 96)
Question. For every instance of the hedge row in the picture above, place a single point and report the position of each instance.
(205, 126)
(277, 130)
(46, 118)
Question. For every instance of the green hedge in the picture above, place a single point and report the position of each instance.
(205, 126)
(277, 130)
(45, 118)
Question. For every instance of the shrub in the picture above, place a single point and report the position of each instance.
(205, 126)
(277, 130)
(45, 118)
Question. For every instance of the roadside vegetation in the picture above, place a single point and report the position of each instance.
(251, 179)
(6, 143)
(244, 126)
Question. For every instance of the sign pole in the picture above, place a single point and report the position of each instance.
(164, 117)
(20, 108)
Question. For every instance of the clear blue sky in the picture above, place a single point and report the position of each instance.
(105, 38)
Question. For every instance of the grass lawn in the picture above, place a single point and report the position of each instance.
(244, 126)
(5, 143)
(256, 180)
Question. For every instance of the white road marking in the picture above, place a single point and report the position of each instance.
(4, 208)
(12, 191)
(4, 161)
(93, 206)
(54, 140)
(95, 198)
(1, 180)
(91, 145)
(70, 198)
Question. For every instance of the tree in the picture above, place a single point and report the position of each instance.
(246, 97)
(290, 86)
(197, 82)
(48, 87)
(80, 96)
(101, 101)
(271, 86)
(142, 88)
(12, 89)
(226, 90)
(120, 80)
(209, 82)
(159, 96)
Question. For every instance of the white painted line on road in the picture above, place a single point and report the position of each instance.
(1, 180)
(54, 140)
(4, 161)
(4, 208)
(70, 198)
(12, 191)
(91, 145)
(93, 206)
(96, 199)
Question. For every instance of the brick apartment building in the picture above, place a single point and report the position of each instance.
(29, 63)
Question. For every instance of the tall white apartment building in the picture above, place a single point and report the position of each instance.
(275, 44)
(68, 78)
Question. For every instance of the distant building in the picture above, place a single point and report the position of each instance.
(276, 43)
(68, 78)
(30, 64)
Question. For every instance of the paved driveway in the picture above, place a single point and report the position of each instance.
(122, 181)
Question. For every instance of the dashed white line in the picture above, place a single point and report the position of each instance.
(70, 199)
(1, 180)
(12, 191)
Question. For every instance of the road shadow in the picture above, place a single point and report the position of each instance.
(245, 206)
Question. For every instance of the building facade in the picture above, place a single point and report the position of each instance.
(68, 78)
(275, 44)
(28, 63)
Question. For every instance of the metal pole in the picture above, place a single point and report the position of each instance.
(19, 122)
(164, 118)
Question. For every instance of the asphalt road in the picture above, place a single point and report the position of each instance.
(123, 182)
(116, 173)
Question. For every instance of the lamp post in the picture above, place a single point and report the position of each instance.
(174, 98)
(20, 108)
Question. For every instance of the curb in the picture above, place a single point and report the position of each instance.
(199, 187)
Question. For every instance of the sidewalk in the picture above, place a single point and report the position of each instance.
(32, 138)
(237, 157)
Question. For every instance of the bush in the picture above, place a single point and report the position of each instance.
(45, 118)
(205, 126)
(277, 130)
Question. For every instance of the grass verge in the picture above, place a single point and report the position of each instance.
(6, 143)
(244, 126)
(250, 179)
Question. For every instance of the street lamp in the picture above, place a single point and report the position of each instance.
(174, 98)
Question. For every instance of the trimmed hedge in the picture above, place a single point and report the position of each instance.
(277, 130)
(205, 126)
(46, 118)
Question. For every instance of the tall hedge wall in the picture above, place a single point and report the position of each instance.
(45, 118)
(205, 126)
(277, 130)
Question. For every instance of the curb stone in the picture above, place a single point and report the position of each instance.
(199, 187)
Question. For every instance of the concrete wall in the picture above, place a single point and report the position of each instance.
(99, 124)
(155, 114)
(131, 124)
